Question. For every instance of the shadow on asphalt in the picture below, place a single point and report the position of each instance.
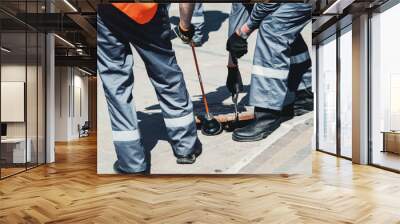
(213, 22)
(152, 129)
(215, 100)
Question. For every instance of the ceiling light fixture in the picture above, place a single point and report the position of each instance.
(337, 7)
(70, 5)
(5, 50)
(80, 51)
(65, 41)
(84, 71)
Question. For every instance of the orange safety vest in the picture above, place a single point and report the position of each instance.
(141, 13)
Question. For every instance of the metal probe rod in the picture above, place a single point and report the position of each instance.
(200, 80)
(235, 96)
(235, 103)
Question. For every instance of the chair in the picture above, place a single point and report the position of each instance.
(84, 130)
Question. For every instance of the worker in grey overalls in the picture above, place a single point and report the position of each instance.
(122, 27)
(280, 59)
(198, 22)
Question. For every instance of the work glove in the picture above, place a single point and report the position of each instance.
(236, 45)
(234, 80)
(185, 35)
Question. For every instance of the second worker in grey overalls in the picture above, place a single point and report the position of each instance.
(276, 64)
(240, 13)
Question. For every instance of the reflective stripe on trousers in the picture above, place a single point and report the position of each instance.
(277, 65)
(116, 34)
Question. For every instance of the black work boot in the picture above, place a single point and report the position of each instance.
(304, 102)
(191, 158)
(266, 121)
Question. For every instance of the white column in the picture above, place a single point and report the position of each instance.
(314, 90)
(360, 90)
(50, 92)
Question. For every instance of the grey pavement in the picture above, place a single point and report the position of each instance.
(287, 150)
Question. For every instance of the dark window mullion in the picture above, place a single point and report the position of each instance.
(369, 78)
(0, 95)
(338, 94)
(26, 87)
(317, 96)
(37, 90)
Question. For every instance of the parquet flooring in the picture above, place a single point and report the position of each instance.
(70, 191)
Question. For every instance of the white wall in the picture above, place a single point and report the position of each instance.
(33, 126)
(71, 94)
(15, 73)
(61, 103)
(82, 83)
(80, 112)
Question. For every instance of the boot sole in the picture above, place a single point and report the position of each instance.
(196, 154)
(257, 137)
(184, 162)
(119, 171)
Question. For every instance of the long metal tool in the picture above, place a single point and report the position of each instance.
(200, 80)
(210, 126)
(235, 96)
(235, 104)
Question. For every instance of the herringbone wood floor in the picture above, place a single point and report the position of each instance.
(70, 191)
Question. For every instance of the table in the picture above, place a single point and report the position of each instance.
(391, 141)
(13, 150)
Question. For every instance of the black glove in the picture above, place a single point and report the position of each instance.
(186, 36)
(234, 80)
(236, 45)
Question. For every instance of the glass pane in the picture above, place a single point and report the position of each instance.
(31, 87)
(13, 86)
(386, 89)
(41, 99)
(327, 96)
(31, 98)
(346, 94)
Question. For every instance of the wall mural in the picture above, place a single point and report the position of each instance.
(226, 89)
